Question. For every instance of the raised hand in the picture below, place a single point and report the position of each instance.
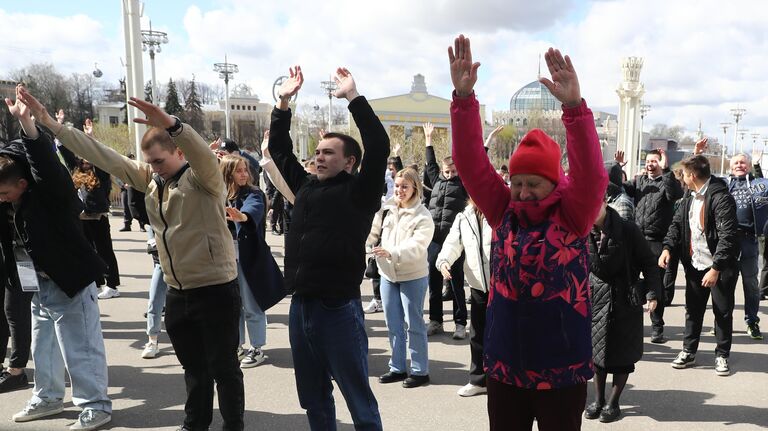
(215, 145)
(347, 89)
(463, 70)
(156, 117)
(492, 136)
(37, 109)
(757, 155)
(292, 85)
(60, 116)
(265, 144)
(321, 133)
(700, 146)
(663, 162)
(428, 129)
(233, 214)
(564, 84)
(87, 127)
(396, 150)
(619, 158)
(18, 109)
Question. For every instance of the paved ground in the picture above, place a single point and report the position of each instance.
(149, 394)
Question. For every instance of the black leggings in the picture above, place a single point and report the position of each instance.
(98, 234)
(16, 324)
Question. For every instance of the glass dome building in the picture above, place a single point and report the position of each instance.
(533, 97)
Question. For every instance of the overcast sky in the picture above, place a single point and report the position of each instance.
(702, 58)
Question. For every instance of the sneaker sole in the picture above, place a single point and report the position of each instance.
(683, 366)
(92, 426)
(28, 418)
(252, 365)
(723, 373)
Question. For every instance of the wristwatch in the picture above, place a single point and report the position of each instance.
(177, 127)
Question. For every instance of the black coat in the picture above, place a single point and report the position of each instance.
(617, 325)
(48, 217)
(325, 247)
(720, 226)
(447, 199)
(654, 202)
(96, 200)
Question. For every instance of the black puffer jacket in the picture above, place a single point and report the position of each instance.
(48, 217)
(447, 200)
(617, 325)
(720, 226)
(325, 247)
(654, 202)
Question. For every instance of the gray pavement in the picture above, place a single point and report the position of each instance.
(149, 394)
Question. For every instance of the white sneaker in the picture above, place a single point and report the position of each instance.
(721, 366)
(373, 307)
(151, 350)
(38, 410)
(460, 333)
(470, 390)
(253, 358)
(91, 419)
(108, 292)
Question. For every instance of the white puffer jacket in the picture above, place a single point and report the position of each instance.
(405, 233)
(465, 236)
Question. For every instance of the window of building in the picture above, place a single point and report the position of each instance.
(113, 120)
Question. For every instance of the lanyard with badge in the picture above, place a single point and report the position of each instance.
(24, 265)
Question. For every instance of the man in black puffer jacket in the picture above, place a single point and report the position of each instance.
(655, 194)
(447, 200)
(704, 232)
(325, 254)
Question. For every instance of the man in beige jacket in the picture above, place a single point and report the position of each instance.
(185, 196)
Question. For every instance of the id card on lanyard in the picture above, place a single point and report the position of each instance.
(26, 270)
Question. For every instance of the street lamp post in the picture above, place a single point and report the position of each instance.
(725, 127)
(742, 133)
(755, 136)
(737, 114)
(226, 72)
(152, 41)
(644, 110)
(329, 86)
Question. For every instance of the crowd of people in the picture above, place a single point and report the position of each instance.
(552, 259)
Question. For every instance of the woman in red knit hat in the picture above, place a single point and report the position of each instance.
(538, 351)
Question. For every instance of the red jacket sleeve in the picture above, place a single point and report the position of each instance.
(484, 185)
(587, 178)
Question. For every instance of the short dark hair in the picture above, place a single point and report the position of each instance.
(10, 171)
(351, 147)
(654, 152)
(698, 165)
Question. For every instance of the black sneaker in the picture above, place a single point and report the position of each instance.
(658, 338)
(125, 229)
(610, 414)
(415, 381)
(9, 382)
(684, 360)
(391, 377)
(593, 410)
(753, 330)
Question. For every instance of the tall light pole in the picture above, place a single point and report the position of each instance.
(226, 72)
(737, 114)
(755, 136)
(742, 133)
(644, 110)
(725, 127)
(134, 70)
(329, 86)
(152, 41)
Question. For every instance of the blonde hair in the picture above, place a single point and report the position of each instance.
(228, 165)
(411, 175)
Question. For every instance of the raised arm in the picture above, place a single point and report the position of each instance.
(367, 188)
(587, 178)
(273, 174)
(432, 168)
(280, 144)
(478, 175)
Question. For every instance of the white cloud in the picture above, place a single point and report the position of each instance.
(701, 57)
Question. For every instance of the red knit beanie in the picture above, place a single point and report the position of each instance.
(537, 154)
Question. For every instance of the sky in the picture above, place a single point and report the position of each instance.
(701, 58)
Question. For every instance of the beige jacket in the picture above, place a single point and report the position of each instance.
(277, 179)
(194, 244)
(405, 233)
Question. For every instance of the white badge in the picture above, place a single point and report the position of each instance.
(237, 250)
(28, 276)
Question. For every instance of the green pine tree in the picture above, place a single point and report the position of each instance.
(172, 105)
(193, 108)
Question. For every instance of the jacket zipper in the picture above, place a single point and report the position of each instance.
(165, 230)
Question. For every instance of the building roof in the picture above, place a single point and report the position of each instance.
(533, 96)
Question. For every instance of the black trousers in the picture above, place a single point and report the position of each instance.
(513, 409)
(98, 234)
(436, 288)
(137, 206)
(16, 324)
(203, 325)
(478, 305)
(376, 282)
(764, 271)
(657, 316)
(127, 216)
(670, 275)
(696, 298)
(278, 212)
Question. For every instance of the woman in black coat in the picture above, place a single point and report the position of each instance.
(617, 253)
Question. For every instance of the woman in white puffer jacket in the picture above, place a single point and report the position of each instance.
(471, 234)
(400, 235)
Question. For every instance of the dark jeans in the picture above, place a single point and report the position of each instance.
(127, 216)
(98, 234)
(16, 324)
(511, 408)
(328, 339)
(436, 288)
(670, 275)
(203, 325)
(764, 271)
(657, 316)
(478, 305)
(696, 298)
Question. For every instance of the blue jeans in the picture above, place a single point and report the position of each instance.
(252, 315)
(157, 292)
(328, 340)
(66, 332)
(403, 311)
(748, 269)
